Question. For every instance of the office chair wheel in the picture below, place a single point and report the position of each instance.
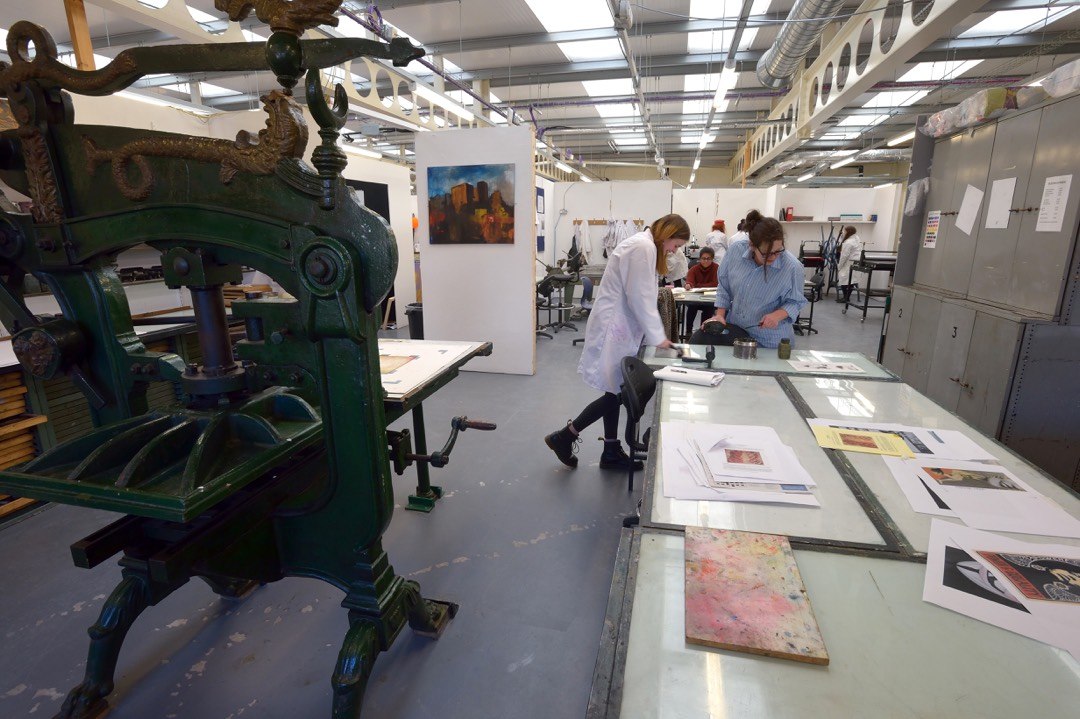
(843, 311)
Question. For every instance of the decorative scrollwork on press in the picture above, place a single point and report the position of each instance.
(291, 16)
(44, 65)
(40, 176)
(284, 136)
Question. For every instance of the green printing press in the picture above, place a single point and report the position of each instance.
(277, 462)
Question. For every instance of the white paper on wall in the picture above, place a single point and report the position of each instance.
(933, 220)
(1055, 198)
(969, 209)
(1001, 197)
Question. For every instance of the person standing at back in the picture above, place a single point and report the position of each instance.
(703, 274)
(741, 230)
(851, 247)
(760, 284)
(717, 240)
(624, 312)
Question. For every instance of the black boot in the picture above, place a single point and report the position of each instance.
(613, 457)
(564, 444)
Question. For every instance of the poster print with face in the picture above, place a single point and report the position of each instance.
(471, 204)
(1052, 579)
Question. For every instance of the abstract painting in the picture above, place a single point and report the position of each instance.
(471, 204)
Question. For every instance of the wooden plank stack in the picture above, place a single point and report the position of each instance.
(17, 443)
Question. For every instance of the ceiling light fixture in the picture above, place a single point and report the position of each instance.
(901, 139)
(840, 163)
(804, 178)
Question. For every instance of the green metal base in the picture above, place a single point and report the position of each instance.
(424, 502)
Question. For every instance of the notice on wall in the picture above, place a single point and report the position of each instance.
(969, 209)
(1055, 198)
(1001, 197)
(933, 219)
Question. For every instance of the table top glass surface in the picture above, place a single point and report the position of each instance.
(892, 655)
(896, 402)
(758, 400)
(767, 361)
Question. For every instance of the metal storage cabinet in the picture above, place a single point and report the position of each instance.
(955, 324)
(988, 371)
(920, 341)
(947, 155)
(903, 304)
(958, 250)
(1043, 259)
(1043, 418)
(995, 248)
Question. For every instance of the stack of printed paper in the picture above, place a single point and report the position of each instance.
(917, 441)
(1028, 588)
(731, 463)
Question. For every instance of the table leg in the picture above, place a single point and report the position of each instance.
(426, 495)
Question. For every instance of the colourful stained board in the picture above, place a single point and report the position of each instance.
(744, 593)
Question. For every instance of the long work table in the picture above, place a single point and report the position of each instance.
(861, 556)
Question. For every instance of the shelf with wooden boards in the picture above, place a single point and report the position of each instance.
(17, 443)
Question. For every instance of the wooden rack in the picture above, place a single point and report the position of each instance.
(16, 433)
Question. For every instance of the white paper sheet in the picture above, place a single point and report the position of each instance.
(429, 358)
(706, 378)
(1055, 199)
(997, 208)
(956, 580)
(969, 209)
(933, 221)
(918, 493)
(922, 441)
(988, 496)
(1059, 614)
(684, 476)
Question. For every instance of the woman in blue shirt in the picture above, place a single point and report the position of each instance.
(760, 284)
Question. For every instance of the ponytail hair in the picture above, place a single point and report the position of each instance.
(753, 218)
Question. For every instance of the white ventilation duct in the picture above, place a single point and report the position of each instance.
(803, 27)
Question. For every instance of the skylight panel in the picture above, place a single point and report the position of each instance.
(1008, 22)
(861, 120)
(716, 41)
(591, 50)
(608, 88)
(563, 15)
(699, 83)
(945, 70)
(618, 109)
(207, 89)
(895, 98)
(631, 141)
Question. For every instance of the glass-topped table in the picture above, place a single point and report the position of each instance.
(767, 362)
(755, 400)
(899, 403)
(891, 654)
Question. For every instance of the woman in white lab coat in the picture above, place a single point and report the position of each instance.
(624, 311)
(851, 247)
(677, 268)
(717, 240)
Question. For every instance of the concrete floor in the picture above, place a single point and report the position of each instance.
(524, 545)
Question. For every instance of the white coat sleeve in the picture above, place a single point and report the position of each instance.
(639, 282)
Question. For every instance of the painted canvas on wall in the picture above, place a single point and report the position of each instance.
(471, 204)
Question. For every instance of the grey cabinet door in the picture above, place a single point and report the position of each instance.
(958, 249)
(995, 248)
(950, 354)
(947, 154)
(902, 305)
(988, 374)
(1042, 258)
(920, 342)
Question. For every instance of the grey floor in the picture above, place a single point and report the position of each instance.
(525, 546)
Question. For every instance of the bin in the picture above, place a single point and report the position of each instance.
(415, 312)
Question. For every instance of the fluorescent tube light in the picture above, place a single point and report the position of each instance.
(840, 163)
(564, 167)
(804, 178)
(697, 163)
(361, 151)
(901, 139)
(443, 102)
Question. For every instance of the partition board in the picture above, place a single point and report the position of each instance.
(482, 292)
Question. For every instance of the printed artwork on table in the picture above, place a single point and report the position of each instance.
(856, 440)
(979, 479)
(1052, 579)
(389, 363)
(964, 573)
(471, 204)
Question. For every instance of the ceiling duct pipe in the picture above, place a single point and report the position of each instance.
(801, 30)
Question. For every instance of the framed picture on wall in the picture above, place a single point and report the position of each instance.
(471, 204)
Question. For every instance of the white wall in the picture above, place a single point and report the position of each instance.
(645, 200)
(482, 292)
(549, 215)
(701, 207)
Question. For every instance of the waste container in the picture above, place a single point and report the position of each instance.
(415, 312)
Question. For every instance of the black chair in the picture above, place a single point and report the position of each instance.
(718, 334)
(813, 294)
(544, 289)
(586, 302)
(637, 389)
